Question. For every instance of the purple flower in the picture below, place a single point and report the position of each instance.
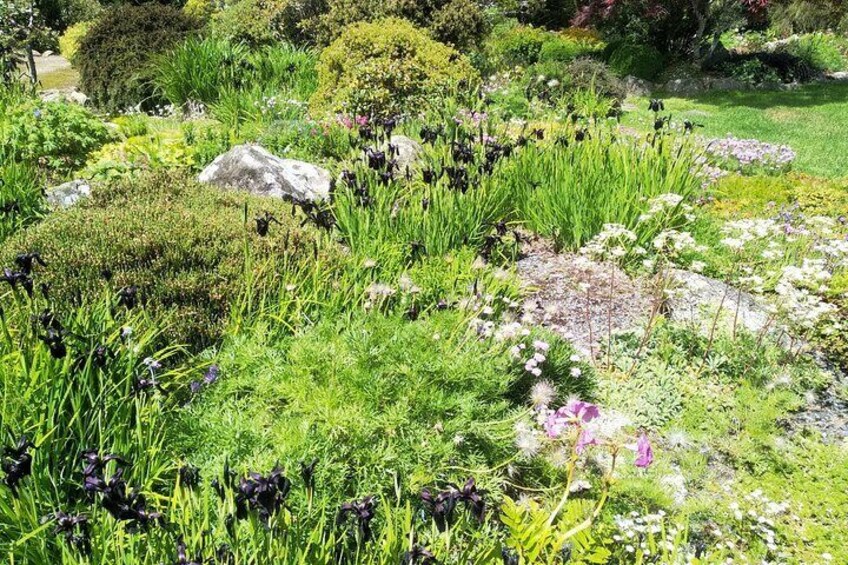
(211, 375)
(584, 411)
(644, 453)
(586, 439)
(575, 412)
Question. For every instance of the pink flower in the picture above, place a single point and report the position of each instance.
(361, 120)
(580, 410)
(586, 439)
(575, 412)
(644, 453)
(345, 121)
(555, 423)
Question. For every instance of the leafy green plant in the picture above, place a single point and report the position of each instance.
(55, 135)
(386, 68)
(70, 40)
(643, 61)
(21, 196)
(821, 51)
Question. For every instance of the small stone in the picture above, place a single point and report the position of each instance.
(67, 194)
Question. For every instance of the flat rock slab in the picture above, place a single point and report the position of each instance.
(253, 169)
(581, 299)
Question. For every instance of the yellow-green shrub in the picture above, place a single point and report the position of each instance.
(387, 67)
(70, 40)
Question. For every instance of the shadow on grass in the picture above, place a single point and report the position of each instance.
(803, 97)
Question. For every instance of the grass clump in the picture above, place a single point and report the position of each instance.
(570, 193)
(186, 247)
(201, 70)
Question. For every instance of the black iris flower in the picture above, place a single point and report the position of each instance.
(128, 297)
(656, 105)
(182, 555)
(26, 261)
(360, 513)
(418, 555)
(75, 530)
(441, 506)
(509, 556)
(15, 278)
(55, 342)
(263, 223)
(265, 494)
(17, 463)
(307, 474)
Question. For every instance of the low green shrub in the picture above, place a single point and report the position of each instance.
(70, 40)
(114, 56)
(57, 136)
(186, 247)
(642, 61)
(385, 68)
(511, 45)
(381, 402)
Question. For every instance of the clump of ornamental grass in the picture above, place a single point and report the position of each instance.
(570, 189)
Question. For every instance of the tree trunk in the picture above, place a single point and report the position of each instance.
(33, 73)
(702, 28)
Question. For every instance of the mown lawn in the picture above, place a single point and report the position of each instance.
(811, 120)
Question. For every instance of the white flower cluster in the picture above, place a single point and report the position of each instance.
(759, 519)
(797, 294)
(742, 232)
(612, 243)
(635, 530)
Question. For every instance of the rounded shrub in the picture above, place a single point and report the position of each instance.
(185, 246)
(459, 23)
(256, 22)
(512, 45)
(114, 56)
(385, 68)
(642, 61)
(70, 40)
(586, 73)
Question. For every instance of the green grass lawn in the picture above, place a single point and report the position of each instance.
(811, 120)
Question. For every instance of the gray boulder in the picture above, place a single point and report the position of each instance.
(685, 86)
(59, 95)
(253, 169)
(408, 153)
(727, 83)
(695, 300)
(636, 86)
(67, 194)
